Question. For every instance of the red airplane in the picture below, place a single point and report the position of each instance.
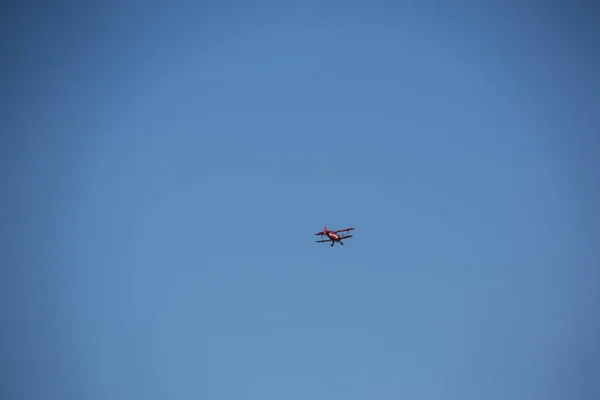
(333, 235)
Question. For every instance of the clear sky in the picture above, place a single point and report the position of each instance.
(166, 168)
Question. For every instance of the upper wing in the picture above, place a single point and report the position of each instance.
(319, 233)
(344, 230)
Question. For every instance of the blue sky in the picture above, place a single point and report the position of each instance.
(168, 165)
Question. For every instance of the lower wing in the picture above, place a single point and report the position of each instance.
(329, 240)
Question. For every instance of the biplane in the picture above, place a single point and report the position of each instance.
(333, 236)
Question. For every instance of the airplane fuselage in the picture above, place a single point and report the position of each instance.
(333, 236)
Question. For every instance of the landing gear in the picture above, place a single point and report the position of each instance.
(332, 243)
(342, 243)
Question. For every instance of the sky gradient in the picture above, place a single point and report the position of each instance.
(166, 167)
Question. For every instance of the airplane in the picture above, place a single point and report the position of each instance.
(333, 235)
